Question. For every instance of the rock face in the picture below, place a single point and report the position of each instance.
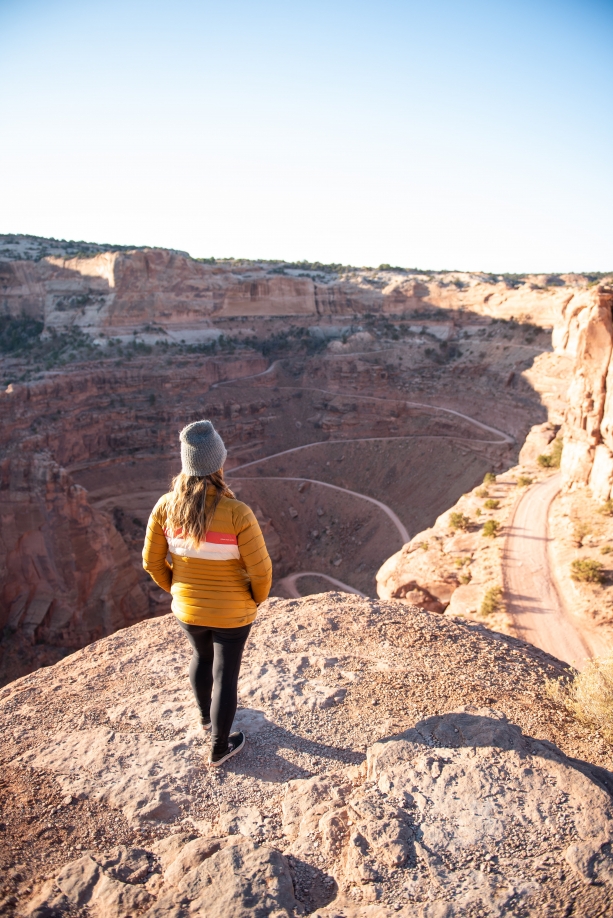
(66, 577)
(115, 289)
(588, 427)
(396, 763)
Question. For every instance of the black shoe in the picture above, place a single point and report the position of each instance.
(236, 741)
(205, 724)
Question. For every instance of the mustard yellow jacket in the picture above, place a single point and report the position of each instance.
(220, 582)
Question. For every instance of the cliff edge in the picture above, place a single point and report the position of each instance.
(397, 762)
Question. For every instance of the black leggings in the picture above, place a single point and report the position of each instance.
(213, 673)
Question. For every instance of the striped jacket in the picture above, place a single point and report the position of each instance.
(219, 582)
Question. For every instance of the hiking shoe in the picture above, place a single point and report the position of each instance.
(236, 741)
(205, 724)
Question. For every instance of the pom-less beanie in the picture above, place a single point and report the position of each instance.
(202, 449)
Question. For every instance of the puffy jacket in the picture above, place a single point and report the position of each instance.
(219, 582)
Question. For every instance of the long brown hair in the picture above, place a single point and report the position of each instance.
(187, 508)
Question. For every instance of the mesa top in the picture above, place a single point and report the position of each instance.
(219, 582)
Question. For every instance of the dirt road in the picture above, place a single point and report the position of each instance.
(402, 530)
(290, 583)
(532, 598)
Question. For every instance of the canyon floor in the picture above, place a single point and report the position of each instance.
(396, 763)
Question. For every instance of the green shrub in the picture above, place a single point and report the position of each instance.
(492, 504)
(423, 546)
(589, 695)
(607, 508)
(490, 528)
(489, 478)
(492, 601)
(586, 570)
(581, 529)
(459, 521)
(523, 481)
(553, 459)
(606, 549)
(465, 578)
(482, 492)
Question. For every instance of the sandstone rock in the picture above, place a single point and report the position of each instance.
(302, 820)
(537, 441)
(86, 885)
(242, 880)
(461, 800)
(66, 577)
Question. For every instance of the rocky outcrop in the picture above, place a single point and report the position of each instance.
(115, 290)
(66, 578)
(396, 763)
(588, 426)
(451, 566)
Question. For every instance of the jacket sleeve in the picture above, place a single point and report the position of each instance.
(254, 553)
(155, 550)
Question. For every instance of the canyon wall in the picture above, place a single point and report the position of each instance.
(586, 331)
(116, 290)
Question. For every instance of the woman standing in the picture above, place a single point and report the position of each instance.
(220, 572)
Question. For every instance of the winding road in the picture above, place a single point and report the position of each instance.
(290, 584)
(402, 531)
(533, 599)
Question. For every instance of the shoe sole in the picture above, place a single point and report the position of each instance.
(228, 755)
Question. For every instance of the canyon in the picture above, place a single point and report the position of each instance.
(358, 405)
(398, 434)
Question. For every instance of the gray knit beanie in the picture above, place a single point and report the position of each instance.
(202, 449)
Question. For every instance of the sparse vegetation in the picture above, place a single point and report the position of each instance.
(482, 492)
(553, 459)
(587, 570)
(459, 521)
(490, 528)
(424, 546)
(465, 578)
(581, 531)
(492, 504)
(606, 549)
(589, 695)
(607, 508)
(492, 601)
(489, 478)
(524, 480)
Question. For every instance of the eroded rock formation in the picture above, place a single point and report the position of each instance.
(396, 763)
(588, 427)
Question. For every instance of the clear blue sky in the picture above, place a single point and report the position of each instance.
(470, 134)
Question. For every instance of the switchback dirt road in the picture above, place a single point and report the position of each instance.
(532, 598)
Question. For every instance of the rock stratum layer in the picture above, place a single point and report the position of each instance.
(108, 291)
(396, 763)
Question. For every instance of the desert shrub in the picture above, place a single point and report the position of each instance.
(460, 562)
(490, 528)
(589, 695)
(17, 335)
(482, 492)
(478, 511)
(424, 546)
(489, 478)
(523, 481)
(459, 521)
(491, 601)
(553, 459)
(607, 508)
(586, 570)
(581, 529)
(465, 578)
(492, 504)
(606, 549)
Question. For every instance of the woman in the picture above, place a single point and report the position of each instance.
(219, 574)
